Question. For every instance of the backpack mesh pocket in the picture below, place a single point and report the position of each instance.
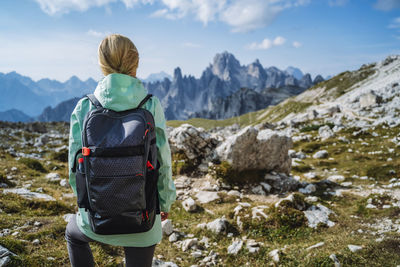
(111, 196)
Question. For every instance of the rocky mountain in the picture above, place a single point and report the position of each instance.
(154, 77)
(221, 81)
(367, 97)
(225, 89)
(30, 97)
(14, 115)
(61, 112)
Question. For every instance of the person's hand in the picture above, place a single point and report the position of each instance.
(164, 216)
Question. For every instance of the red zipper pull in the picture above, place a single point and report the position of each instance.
(147, 215)
(149, 166)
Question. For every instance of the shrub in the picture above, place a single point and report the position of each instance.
(181, 164)
(60, 156)
(33, 164)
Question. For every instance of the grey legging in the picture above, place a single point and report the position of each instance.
(80, 253)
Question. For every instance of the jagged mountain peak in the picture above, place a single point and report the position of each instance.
(225, 65)
(177, 74)
(296, 72)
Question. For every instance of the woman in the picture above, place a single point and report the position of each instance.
(119, 90)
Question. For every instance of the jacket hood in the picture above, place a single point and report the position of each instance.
(120, 92)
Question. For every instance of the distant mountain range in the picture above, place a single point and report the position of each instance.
(154, 77)
(30, 97)
(216, 93)
(225, 89)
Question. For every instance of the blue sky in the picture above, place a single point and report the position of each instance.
(59, 38)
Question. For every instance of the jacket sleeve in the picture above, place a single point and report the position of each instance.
(75, 137)
(165, 185)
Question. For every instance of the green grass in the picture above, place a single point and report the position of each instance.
(284, 228)
(267, 115)
(346, 80)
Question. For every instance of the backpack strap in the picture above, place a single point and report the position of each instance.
(144, 100)
(94, 101)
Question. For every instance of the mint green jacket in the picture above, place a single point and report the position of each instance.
(122, 92)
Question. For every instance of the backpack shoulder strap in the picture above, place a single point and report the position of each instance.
(144, 100)
(94, 101)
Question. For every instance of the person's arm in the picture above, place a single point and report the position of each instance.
(165, 185)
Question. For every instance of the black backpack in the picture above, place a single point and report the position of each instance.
(116, 180)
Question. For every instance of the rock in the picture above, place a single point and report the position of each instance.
(335, 260)
(322, 154)
(5, 256)
(36, 242)
(67, 217)
(39, 190)
(325, 132)
(281, 183)
(206, 196)
(196, 254)
(167, 227)
(194, 142)
(252, 246)
(309, 189)
(64, 183)
(257, 150)
(25, 193)
(188, 243)
(336, 178)
(266, 187)
(14, 169)
(354, 248)
(258, 190)
(53, 177)
(234, 193)
(274, 254)
(311, 199)
(235, 247)
(37, 223)
(320, 244)
(41, 140)
(259, 210)
(173, 237)
(370, 99)
(160, 263)
(189, 204)
(318, 214)
(310, 175)
(218, 225)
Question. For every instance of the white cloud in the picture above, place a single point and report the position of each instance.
(240, 15)
(395, 24)
(202, 10)
(96, 33)
(387, 5)
(191, 45)
(267, 43)
(296, 44)
(57, 7)
(279, 40)
(249, 15)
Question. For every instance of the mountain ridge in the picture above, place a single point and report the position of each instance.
(182, 96)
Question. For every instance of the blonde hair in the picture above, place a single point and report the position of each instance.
(118, 54)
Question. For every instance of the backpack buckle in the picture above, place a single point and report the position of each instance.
(85, 151)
